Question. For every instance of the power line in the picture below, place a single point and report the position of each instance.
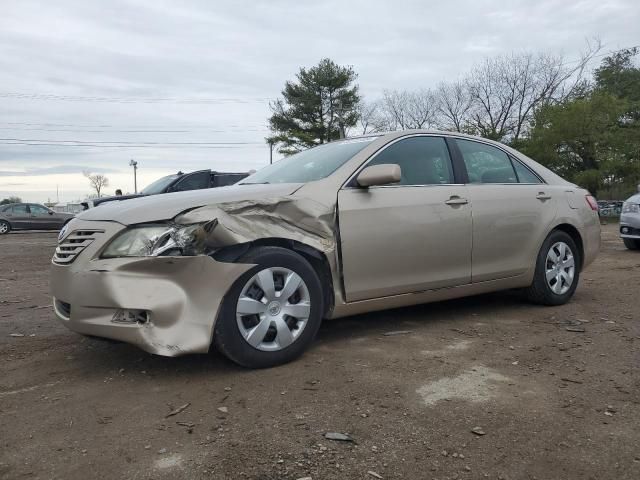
(126, 126)
(123, 142)
(149, 100)
(93, 145)
(72, 130)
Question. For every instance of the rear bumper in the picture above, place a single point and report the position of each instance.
(180, 298)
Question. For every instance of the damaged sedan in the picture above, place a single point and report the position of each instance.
(348, 227)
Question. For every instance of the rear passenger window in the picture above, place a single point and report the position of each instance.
(486, 164)
(20, 210)
(524, 174)
(422, 160)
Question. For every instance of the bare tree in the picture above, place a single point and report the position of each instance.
(370, 118)
(506, 90)
(97, 181)
(405, 109)
(453, 102)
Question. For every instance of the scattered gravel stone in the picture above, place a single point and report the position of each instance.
(397, 332)
(339, 437)
(478, 431)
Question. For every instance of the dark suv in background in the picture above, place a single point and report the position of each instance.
(178, 182)
(30, 216)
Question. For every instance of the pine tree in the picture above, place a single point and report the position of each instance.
(316, 108)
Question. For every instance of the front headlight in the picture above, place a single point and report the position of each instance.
(157, 240)
(628, 207)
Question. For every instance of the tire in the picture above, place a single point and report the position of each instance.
(631, 243)
(549, 292)
(266, 325)
(5, 227)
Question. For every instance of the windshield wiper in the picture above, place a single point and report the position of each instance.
(254, 183)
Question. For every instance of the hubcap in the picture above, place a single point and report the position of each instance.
(273, 309)
(4, 227)
(560, 268)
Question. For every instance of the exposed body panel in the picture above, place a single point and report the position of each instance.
(182, 311)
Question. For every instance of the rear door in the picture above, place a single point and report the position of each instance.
(406, 237)
(19, 216)
(512, 210)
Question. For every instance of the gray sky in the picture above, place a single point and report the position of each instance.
(188, 72)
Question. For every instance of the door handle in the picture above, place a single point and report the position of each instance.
(457, 201)
(543, 196)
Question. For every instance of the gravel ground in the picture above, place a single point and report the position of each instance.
(551, 393)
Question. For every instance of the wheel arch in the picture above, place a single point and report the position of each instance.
(315, 257)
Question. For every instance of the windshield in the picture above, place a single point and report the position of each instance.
(310, 165)
(159, 185)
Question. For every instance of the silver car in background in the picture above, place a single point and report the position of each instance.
(630, 222)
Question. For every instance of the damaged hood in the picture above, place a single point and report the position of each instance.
(166, 206)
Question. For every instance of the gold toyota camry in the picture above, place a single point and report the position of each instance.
(352, 226)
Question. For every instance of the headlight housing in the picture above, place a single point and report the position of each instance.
(628, 207)
(155, 240)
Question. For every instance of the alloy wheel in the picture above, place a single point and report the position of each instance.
(273, 309)
(560, 268)
(4, 227)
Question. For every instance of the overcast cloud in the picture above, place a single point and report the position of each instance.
(78, 79)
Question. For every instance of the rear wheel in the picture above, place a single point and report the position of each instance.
(272, 313)
(557, 270)
(5, 227)
(631, 243)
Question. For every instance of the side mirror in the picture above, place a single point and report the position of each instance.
(51, 212)
(379, 175)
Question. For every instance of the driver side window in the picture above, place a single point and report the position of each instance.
(38, 210)
(422, 160)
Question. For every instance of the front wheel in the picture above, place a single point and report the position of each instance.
(5, 227)
(557, 271)
(630, 243)
(272, 312)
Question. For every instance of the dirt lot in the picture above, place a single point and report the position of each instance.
(554, 390)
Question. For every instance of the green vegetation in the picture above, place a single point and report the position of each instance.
(316, 109)
(586, 130)
(593, 138)
(6, 201)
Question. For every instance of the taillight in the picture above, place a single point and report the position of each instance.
(592, 202)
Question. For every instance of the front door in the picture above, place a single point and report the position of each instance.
(41, 219)
(411, 236)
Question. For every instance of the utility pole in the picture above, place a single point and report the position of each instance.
(271, 143)
(340, 118)
(134, 164)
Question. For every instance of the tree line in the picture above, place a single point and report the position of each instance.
(585, 125)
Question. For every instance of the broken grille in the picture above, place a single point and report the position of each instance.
(71, 246)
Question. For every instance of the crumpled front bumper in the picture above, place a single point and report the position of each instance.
(180, 296)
